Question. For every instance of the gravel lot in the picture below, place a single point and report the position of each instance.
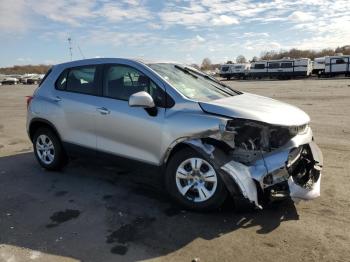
(93, 213)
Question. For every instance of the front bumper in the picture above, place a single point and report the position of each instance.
(290, 172)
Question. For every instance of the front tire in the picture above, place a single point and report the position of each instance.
(48, 149)
(193, 182)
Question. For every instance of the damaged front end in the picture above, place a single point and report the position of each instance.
(262, 162)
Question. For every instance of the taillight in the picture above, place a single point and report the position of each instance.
(29, 99)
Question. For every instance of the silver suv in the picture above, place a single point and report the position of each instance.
(208, 140)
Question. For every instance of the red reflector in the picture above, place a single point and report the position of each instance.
(29, 99)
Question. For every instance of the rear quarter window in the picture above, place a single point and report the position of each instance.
(61, 82)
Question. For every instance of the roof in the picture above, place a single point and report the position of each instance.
(110, 60)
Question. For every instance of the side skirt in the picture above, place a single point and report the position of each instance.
(99, 157)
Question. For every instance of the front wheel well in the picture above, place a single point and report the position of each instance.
(216, 143)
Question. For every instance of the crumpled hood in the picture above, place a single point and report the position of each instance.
(258, 108)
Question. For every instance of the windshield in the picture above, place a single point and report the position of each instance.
(192, 83)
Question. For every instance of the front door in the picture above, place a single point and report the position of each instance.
(130, 132)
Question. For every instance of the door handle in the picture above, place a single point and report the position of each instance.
(103, 110)
(56, 99)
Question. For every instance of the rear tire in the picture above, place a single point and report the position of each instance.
(48, 149)
(207, 192)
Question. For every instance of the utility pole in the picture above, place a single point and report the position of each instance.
(70, 48)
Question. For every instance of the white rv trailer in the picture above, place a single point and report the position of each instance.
(229, 71)
(282, 68)
(336, 65)
(319, 65)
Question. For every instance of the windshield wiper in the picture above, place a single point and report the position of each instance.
(186, 71)
(213, 79)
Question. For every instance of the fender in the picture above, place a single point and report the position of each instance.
(37, 120)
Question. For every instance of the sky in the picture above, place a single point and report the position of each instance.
(36, 31)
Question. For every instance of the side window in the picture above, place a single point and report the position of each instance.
(259, 66)
(62, 81)
(82, 80)
(340, 61)
(274, 65)
(120, 82)
(286, 65)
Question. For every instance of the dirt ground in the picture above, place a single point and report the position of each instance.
(94, 213)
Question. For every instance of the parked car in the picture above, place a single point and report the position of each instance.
(10, 81)
(33, 80)
(208, 140)
(23, 79)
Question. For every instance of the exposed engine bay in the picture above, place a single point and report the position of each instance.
(266, 162)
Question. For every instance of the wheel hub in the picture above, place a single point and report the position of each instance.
(196, 179)
(45, 149)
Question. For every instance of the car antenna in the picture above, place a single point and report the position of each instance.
(81, 52)
(70, 47)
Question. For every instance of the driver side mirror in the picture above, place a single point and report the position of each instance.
(141, 99)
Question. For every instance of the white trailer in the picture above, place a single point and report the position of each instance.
(282, 68)
(336, 65)
(319, 65)
(239, 71)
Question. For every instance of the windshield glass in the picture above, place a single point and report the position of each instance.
(192, 83)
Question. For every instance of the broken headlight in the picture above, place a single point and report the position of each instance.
(253, 135)
(298, 130)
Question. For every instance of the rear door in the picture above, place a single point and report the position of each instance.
(75, 97)
(130, 132)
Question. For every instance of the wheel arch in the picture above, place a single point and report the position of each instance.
(179, 145)
(37, 123)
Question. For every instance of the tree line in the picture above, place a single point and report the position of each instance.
(24, 69)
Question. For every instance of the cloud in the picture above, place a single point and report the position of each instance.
(72, 12)
(299, 16)
(224, 20)
(131, 11)
(23, 59)
(200, 39)
(154, 26)
(198, 26)
(13, 17)
(261, 45)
